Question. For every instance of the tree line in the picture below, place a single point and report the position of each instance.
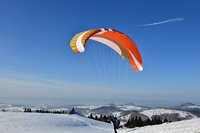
(47, 111)
(100, 118)
(132, 122)
(138, 122)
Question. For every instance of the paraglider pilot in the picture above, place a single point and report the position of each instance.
(115, 122)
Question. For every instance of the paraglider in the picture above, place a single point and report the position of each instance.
(116, 122)
(116, 40)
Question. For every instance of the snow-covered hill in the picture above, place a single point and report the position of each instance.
(19, 122)
(189, 107)
(162, 111)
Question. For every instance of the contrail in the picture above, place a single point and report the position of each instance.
(163, 22)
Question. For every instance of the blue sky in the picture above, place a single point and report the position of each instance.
(38, 66)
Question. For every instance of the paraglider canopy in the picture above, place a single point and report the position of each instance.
(116, 40)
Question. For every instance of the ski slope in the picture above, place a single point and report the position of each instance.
(19, 122)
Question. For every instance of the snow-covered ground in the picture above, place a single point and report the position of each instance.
(187, 126)
(19, 122)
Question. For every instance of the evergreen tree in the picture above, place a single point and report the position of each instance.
(96, 117)
(128, 123)
(140, 122)
(101, 118)
(105, 119)
(136, 122)
(91, 116)
(147, 122)
(165, 120)
(159, 121)
(27, 110)
(132, 122)
(156, 120)
(72, 111)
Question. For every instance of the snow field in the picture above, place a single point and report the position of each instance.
(20, 122)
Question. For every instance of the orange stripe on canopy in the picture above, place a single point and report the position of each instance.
(127, 43)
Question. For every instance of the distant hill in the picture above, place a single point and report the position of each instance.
(189, 107)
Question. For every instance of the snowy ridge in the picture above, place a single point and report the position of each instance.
(193, 107)
(90, 107)
(131, 107)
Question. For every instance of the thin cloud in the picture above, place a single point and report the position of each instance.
(16, 84)
(18, 78)
(19, 85)
(164, 22)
